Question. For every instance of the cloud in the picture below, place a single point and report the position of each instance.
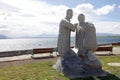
(107, 27)
(33, 18)
(8, 8)
(119, 6)
(36, 17)
(105, 10)
(92, 13)
(84, 8)
(89, 9)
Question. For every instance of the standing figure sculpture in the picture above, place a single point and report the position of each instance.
(86, 44)
(65, 28)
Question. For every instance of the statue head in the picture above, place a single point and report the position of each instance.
(81, 18)
(69, 13)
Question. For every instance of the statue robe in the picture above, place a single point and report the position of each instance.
(63, 44)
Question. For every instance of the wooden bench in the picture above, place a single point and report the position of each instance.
(116, 44)
(42, 51)
(105, 48)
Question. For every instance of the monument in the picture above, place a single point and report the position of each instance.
(69, 63)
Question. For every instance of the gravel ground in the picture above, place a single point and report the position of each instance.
(26, 61)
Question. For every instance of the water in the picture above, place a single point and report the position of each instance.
(105, 40)
(24, 44)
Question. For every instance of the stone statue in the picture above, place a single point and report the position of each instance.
(69, 64)
(65, 28)
(86, 44)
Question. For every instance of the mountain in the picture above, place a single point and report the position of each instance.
(54, 35)
(47, 35)
(107, 34)
(3, 37)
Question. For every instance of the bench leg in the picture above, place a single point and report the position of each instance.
(111, 53)
(32, 55)
(51, 54)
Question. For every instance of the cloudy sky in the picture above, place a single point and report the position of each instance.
(25, 18)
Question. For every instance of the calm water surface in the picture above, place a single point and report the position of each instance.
(23, 44)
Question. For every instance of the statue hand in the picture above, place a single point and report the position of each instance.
(75, 24)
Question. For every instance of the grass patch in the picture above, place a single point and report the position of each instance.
(44, 71)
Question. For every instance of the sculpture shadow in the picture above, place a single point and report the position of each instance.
(88, 78)
(109, 77)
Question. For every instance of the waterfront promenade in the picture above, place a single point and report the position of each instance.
(26, 54)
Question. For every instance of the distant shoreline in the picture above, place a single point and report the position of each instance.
(50, 37)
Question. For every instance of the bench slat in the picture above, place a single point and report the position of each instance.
(109, 48)
(118, 43)
(105, 48)
(43, 50)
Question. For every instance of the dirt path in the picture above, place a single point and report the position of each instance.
(26, 61)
